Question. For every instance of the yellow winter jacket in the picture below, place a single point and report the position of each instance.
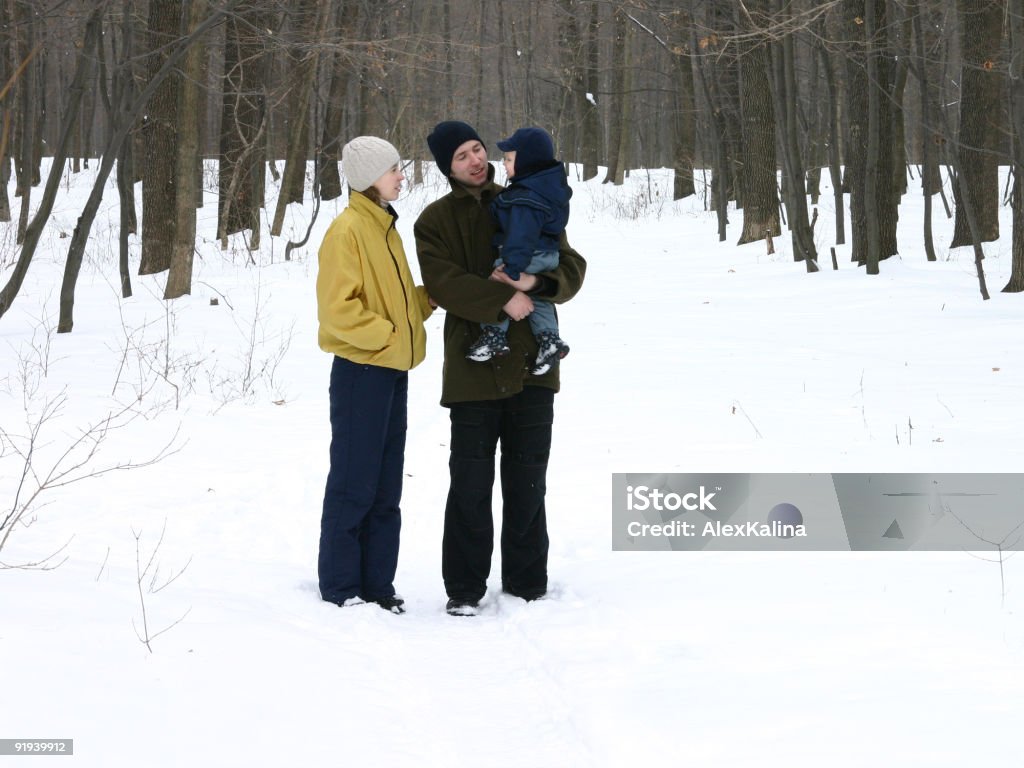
(370, 310)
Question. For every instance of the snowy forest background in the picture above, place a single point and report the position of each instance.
(903, 95)
(162, 466)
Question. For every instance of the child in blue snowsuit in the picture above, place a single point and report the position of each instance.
(531, 214)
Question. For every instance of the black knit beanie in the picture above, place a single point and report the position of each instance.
(448, 137)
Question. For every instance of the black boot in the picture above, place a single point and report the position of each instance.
(393, 604)
(457, 607)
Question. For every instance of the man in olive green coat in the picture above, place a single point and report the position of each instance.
(494, 401)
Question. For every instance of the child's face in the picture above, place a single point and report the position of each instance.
(509, 161)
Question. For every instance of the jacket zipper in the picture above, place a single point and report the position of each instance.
(405, 294)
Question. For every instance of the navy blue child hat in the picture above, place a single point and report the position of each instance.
(533, 147)
(448, 137)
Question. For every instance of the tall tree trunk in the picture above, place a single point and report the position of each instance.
(370, 115)
(179, 278)
(872, 193)
(243, 129)
(684, 126)
(787, 96)
(1016, 80)
(6, 111)
(76, 91)
(717, 141)
(28, 96)
(503, 90)
(573, 55)
(5, 164)
(887, 209)
(834, 138)
(160, 128)
(935, 46)
(449, 55)
(869, 156)
(77, 138)
(929, 162)
(759, 171)
(479, 76)
(331, 142)
(123, 88)
(302, 79)
(591, 116)
(720, 82)
(624, 151)
(981, 96)
(815, 126)
(685, 129)
(857, 135)
(1016, 282)
(409, 126)
(617, 127)
(901, 21)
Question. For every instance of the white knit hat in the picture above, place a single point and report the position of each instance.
(365, 159)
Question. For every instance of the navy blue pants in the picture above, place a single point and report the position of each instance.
(361, 520)
(522, 424)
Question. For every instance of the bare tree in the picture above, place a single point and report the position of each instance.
(578, 100)
(623, 84)
(981, 125)
(244, 119)
(759, 170)
(830, 73)
(720, 80)
(621, 116)
(188, 191)
(122, 92)
(786, 100)
(159, 183)
(26, 28)
(925, 40)
(78, 240)
(869, 176)
(310, 20)
(1016, 83)
(341, 73)
(34, 230)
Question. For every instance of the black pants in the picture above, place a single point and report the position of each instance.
(523, 426)
(361, 523)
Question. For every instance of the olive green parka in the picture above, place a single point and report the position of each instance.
(454, 245)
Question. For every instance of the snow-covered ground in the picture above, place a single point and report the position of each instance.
(689, 355)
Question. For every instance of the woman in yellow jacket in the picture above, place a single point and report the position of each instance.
(371, 319)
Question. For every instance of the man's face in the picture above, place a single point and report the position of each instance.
(469, 164)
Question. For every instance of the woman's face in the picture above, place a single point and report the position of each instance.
(390, 184)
